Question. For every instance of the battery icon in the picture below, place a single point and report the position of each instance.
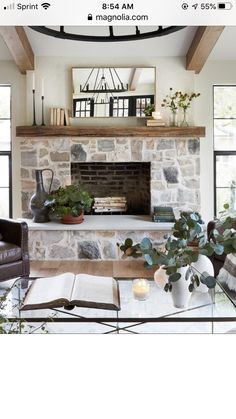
(225, 6)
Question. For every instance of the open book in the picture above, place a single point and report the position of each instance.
(68, 290)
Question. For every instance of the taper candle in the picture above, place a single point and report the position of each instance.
(33, 81)
(42, 87)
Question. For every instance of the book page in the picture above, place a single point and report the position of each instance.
(44, 290)
(91, 288)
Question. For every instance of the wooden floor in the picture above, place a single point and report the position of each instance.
(122, 269)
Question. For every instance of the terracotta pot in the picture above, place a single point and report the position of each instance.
(69, 219)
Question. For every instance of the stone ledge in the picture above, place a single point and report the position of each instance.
(104, 223)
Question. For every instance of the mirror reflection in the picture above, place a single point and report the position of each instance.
(112, 91)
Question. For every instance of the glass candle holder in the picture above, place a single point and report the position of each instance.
(141, 289)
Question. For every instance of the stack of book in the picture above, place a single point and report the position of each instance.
(59, 116)
(110, 204)
(155, 123)
(163, 215)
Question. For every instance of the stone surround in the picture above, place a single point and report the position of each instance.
(175, 163)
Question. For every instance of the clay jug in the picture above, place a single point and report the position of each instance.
(37, 207)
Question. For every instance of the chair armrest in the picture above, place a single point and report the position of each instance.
(15, 232)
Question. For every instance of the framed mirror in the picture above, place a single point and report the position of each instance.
(112, 91)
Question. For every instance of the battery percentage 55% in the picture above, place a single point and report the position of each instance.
(205, 6)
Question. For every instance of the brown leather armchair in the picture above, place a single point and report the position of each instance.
(14, 255)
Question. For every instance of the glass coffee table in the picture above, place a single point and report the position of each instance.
(211, 312)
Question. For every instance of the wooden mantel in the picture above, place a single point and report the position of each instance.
(109, 131)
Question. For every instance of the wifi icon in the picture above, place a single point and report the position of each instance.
(45, 5)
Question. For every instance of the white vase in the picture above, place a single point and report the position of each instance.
(180, 292)
(160, 277)
(203, 264)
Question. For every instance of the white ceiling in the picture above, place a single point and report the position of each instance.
(175, 44)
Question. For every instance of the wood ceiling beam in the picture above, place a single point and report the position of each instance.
(19, 46)
(135, 78)
(201, 47)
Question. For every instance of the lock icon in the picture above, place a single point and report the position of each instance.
(90, 17)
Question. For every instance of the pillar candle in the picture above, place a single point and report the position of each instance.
(141, 289)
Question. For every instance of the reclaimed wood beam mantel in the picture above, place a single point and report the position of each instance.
(109, 131)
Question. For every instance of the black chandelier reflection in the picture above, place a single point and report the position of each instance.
(100, 85)
(110, 37)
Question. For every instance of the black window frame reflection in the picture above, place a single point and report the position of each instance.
(132, 105)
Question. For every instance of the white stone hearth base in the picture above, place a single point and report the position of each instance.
(95, 239)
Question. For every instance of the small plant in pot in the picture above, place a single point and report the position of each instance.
(148, 110)
(69, 203)
(180, 257)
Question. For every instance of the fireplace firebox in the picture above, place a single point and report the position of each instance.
(130, 180)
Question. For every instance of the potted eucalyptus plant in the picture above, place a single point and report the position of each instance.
(69, 203)
(181, 258)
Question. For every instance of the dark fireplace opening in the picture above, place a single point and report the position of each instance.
(129, 180)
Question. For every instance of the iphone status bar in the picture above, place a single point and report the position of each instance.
(72, 12)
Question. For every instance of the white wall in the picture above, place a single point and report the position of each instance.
(9, 74)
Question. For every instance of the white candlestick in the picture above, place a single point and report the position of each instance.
(42, 85)
(33, 81)
(141, 289)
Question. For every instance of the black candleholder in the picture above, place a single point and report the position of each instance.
(43, 124)
(34, 116)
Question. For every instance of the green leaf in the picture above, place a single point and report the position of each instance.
(208, 280)
(162, 259)
(228, 223)
(194, 216)
(122, 247)
(171, 262)
(171, 270)
(146, 244)
(174, 277)
(166, 288)
(148, 259)
(219, 249)
(174, 245)
(128, 243)
(191, 287)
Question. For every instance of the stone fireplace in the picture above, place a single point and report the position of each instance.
(174, 164)
(172, 167)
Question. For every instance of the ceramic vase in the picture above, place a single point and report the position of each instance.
(180, 292)
(37, 201)
(160, 277)
(203, 264)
